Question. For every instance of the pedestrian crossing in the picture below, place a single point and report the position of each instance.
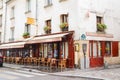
(18, 74)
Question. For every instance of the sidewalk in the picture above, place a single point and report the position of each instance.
(112, 73)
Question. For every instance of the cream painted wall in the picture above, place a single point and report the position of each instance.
(79, 55)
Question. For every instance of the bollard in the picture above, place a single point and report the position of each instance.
(105, 65)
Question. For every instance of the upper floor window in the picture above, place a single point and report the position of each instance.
(13, 12)
(99, 19)
(0, 37)
(64, 22)
(48, 3)
(28, 5)
(47, 28)
(0, 20)
(1, 3)
(12, 34)
(27, 28)
(100, 26)
(64, 18)
(61, 0)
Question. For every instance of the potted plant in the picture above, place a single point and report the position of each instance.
(26, 35)
(101, 27)
(64, 26)
(47, 29)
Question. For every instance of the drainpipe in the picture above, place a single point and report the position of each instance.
(4, 37)
(36, 15)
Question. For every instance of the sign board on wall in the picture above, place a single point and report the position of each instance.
(30, 20)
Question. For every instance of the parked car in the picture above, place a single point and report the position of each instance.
(1, 60)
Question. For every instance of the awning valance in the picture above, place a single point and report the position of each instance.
(12, 45)
(48, 38)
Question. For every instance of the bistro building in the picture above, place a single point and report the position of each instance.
(81, 36)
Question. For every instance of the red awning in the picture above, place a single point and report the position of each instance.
(48, 38)
(12, 45)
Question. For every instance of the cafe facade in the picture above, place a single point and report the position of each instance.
(58, 46)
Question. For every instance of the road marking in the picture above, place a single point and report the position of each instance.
(19, 74)
(9, 77)
(33, 73)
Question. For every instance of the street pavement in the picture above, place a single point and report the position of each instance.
(14, 74)
(100, 73)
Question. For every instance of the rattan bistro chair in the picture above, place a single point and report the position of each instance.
(62, 64)
(53, 64)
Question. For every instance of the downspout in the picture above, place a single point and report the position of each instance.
(36, 15)
(4, 37)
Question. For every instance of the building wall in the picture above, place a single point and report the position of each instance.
(19, 20)
(88, 10)
(53, 12)
(82, 19)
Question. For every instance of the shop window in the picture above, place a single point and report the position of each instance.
(91, 48)
(50, 50)
(45, 50)
(41, 50)
(95, 49)
(107, 48)
(56, 51)
(99, 49)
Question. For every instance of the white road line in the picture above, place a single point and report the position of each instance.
(33, 73)
(9, 77)
(19, 74)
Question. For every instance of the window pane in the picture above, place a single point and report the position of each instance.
(45, 50)
(41, 51)
(28, 5)
(66, 49)
(12, 11)
(108, 48)
(91, 49)
(94, 49)
(99, 48)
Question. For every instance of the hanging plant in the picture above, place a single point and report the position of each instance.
(47, 29)
(101, 27)
(64, 26)
(26, 35)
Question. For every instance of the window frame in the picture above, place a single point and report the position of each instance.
(48, 3)
(64, 18)
(28, 5)
(12, 12)
(27, 28)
